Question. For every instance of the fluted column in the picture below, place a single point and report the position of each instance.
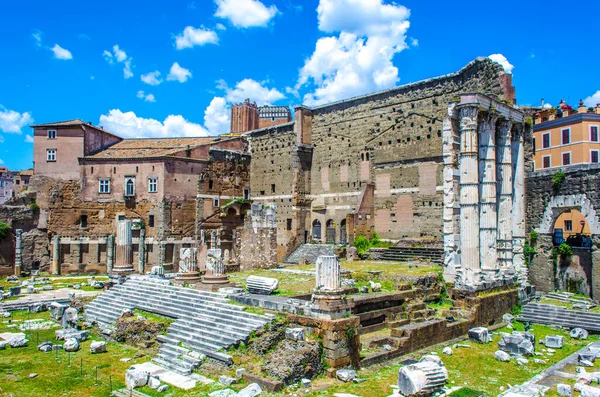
(18, 251)
(487, 191)
(328, 274)
(518, 215)
(110, 253)
(450, 144)
(505, 194)
(124, 252)
(55, 254)
(469, 190)
(142, 252)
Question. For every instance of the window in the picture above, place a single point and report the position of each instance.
(51, 134)
(566, 136)
(546, 140)
(152, 185)
(593, 156)
(568, 226)
(129, 186)
(289, 224)
(18, 182)
(210, 184)
(246, 194)
(546, 162)
(215, 202)
(51, 154)
(566, 158)
(262, 192)
(534, 147)
(272, 188)
(151, 220)
(594, 133)
(104, 186)
(92, 170)
(26, 181)
(121, 217)
(83, 221)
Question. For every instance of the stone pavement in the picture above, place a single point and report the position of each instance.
(184, 382)
(58, 295)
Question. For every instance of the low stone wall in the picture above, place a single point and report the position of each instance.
(340, 338)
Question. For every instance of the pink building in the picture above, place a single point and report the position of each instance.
(58, 146)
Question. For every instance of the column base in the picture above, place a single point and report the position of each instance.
(213, 284)
(188, 278)
(330, 305)
(127, 269)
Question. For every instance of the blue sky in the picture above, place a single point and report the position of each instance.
(143, 68)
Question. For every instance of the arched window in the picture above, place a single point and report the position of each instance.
(316, 229)
(130, 187)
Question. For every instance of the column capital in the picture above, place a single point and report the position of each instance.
(488, 123)
(468, 117)
(517, 132)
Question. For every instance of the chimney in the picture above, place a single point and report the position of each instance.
(597, 108)
(303, 124)
(581, 108)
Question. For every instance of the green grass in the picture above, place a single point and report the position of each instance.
(60, 373)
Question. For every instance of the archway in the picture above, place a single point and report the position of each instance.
(330, 232)
(316, 230)
(343, 234)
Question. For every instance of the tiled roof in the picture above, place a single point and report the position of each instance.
(61, 123)
(150, 147)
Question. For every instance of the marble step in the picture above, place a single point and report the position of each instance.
(168, 365)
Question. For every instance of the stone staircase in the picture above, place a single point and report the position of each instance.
(310, 252)
(205, 322)
(401, 254)
(560, 316)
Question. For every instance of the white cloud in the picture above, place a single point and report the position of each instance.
(359, 59)
(501, 59)
(178, 73)
(37, 37)
(119, 56)
(192, 36)
(216, 116)
(146, 97)
(245, 13)
(11, 121)
(252, 89)
(592, 100)
(152, 78)
(220, 26)
(61, 53)
(547, 106)
(28, 138)
(129, 125)
(414, 42)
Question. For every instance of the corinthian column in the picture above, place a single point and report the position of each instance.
(469, 190)
(487, 190)
(450, 183)
(518, 216)
(56, 254)
(505, 193)
(124, 252)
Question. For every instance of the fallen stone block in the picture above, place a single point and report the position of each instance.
(71, 345)
(502, 356)
(553, 341)
(447, 350)
(480, 335)
(518, 343)
(98, 347)
(579, 333)
(296, 334)
(136, 378)
(162, 388)
(223, 393)
(226, 380)
(306, 383)
(18, 342)
(564, 390)
(508, 318)
(57, 310)
(239, 373)
(587, 391)
(153, 382)
(261, 285)
(345, 375)
(45, 346)
(3, 345)
(424, 378)
(252, 390)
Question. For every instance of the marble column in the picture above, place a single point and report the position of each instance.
(110, 253)
(142, 252)
(213, 239)
(469, 190)
(55, 255)
(124, 253)
(18, 251)
(505, 194)
(450, 144)
(215, 276)
(488, 255)
(518, 215)
(328, 274)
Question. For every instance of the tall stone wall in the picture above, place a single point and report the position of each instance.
(545, 202)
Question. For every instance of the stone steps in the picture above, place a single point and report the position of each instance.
(559, 316)
(394, 253)
(204, 323)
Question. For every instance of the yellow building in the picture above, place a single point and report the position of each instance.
(564, 136)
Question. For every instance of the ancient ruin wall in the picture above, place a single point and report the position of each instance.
(392, 139)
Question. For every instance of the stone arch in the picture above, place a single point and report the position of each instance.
(330, 232)
(559, 204)
(316, 229)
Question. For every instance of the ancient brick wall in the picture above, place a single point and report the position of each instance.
(392, 139)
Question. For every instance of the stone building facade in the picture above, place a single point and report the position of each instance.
(373, 161)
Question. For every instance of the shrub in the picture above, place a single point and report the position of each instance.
(533, 236)
(34, 207)
(362, 245)
(375, 240)
(565, 250)
(4, 229)
(558, 178)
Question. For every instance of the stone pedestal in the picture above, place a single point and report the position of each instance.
(328, 299)
(124, 263)
(188, 267)
(215, 276)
